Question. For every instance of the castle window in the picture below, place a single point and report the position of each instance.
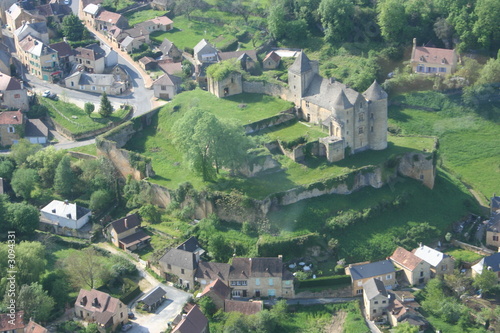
(361, 116)
(361, 105)
(371, 129)
(347, 133)
(495, 238)
(308, 117)
(361, 130)
(307, 104)
(371, 115)
(232, 80)
(347, 121)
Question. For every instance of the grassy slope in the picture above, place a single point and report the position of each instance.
(469, 144)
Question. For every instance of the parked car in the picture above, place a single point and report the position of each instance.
(46, 93)
(126, 327)
(131, 315)
(49, 94)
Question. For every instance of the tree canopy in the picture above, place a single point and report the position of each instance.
(72, 27)
(105, 109)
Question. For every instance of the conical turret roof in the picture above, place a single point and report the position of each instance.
(341, 102)
(375, 92)
(301, 64)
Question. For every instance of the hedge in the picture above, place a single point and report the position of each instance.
(291, 247)
(128, 297)
(325, 281)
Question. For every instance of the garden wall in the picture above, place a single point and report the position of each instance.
(281, 118)
(260, 87)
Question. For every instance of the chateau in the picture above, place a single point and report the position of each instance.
(353, 120)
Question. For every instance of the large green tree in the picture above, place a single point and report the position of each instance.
(72, 27)
(337, 17)
(486, 27)
(392, 20)
(89, 108)
(23, 218)
(35, 302)
(46, 162)
(276, 19)
(30, 262)
(6, 168)
(23, 182)
(485, 281)
(22, 149)
(85, 268)
(209, 144)
(105, 109)
(64, 177)
(490, 73)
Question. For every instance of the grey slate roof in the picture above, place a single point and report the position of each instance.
(212, 271)
(97, 79)
(372, 269)
(204, 46)
(153, 296)
(492, 261)
(191, 245)
(64, 209)
(301, 64)
(238, 54)
(256, 267)
(373, 288)
(341, 102)
(35, 128)
(165, 46)
(168, 80)
(495, 202)
(180, 258)
(325, 93)
(120, 226)
(375, 92)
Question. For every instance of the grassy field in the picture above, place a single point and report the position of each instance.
(143, 15)
(289, 133)
(464, 255)
(76, 120)
(89, 149)
(469, 143)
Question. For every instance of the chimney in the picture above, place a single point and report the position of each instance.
(66, 201)
(21, 82)
(184, 246)
(65, 39)
(15, 117)
(332, 80)
(280, 256)
(126, 223)
(414, 42)
(23, 22)
(421, 245)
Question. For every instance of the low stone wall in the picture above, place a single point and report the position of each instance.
(475, 249)
(81, 156)
(284, 117)
(258, 166)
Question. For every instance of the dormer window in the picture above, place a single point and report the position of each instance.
(422, 58)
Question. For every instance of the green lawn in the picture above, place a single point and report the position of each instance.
(469, 144)
(289, 133)
(89, 149)
(464, 255)
(75, 120)
(143, 15)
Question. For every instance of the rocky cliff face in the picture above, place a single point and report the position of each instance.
(418, 166)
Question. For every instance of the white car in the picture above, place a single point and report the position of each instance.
(46, 93)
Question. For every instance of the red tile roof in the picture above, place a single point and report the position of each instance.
(109, 17)
(194, 322)
(405, 258)
(6, 321)
(100, 304)
(11, 117)
(247, 308)
(33, 327)
(219, 288)
(162, 20)
(433, 55)
(273, 55)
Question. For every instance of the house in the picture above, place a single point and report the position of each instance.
(4, 6)
(90, 13)
(37, 30)
(64, 214)
(375, 298)
(11, 127)
(33, 327)
(218, 291)
(247, 59)
(493, 229)
(5, 59)
(169, 67)
(230, 85)
(106, 20)
(491, 263)
(404, 308)
(12, 93)
(179, 266)
(12, 323)
(126, 233)
(152, 300)
(110, 83)
(440, 263)
(431, 60)
(246, 308)
(96, 306)
(15, 16)
(95, 58)
(192, 245)
(168, 49)
(204, 52)
(132, 39)
(56, 11)
(147, 63)
(193, 322)
(167, 86)
(416, 271)
(208, 272)
(35, 131)
(271, 61)
(39, 58)
(161, 23)
(260, 277)
(381, 270)
(65, 53)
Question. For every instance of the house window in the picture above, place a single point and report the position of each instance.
(374, 310)
(236, 293)
(388, 276)
(376, 302)
(271, 282)
(420, 69)
(103, 88)
(371, 115)
(361, 105)
(72, 84)
(121, 315)
(257, 282)
(182, 270)
(361, 116)
(383, 302)
(82, 87)
(360, 283)
(421, 274)
(163, 88)
(17, 96)
(271, 292)
(239, 283)
(169, 266)
(88, 62)
(232, 80)
(347, 133)
(93, 87)
(11, 129)
(442, 70)
(361, 130)
(371, 129)
(359, 291)
(495, 238)
(307, 104)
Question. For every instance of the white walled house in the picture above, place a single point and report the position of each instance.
(65, 214)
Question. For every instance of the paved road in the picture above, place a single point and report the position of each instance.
(313, 301)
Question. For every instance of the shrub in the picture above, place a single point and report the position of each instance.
(37, 111)
(325, 281)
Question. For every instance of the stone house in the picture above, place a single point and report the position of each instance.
(12, 323)
(247, 308)
(247, 59)
(90, 13)
(168, 49)
(4, 6)
(5, 59)
(63, 214)
(192, 322)
(169, 67)
(416, 271)
(161, 23)
(39, 58)
(403, 308)
(126, 233)
(362, 272)
(167, 86)
(179, 266)
(66, 55)
(11, 127)
(106, 20)
(271, 61)
(431, 60)
(35, 131)
(440, 263)
(491, 263)
(96, 306)
(95, 58)
(98, 83)
(162, 4)
(204, 52)
(208, 272)
(493, 229)
(147, 63)
(218, 291)
(33, 327)
(56, 11)
(230, 85)
(12, 93)
(260, 277)
(375, 298)
(37, 30)
(15, 16)
(153, 299)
